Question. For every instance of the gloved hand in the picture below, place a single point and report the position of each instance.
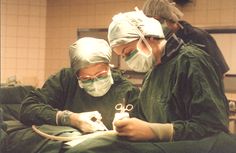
(137, 130)
(119, 116)
(134, 129)
(87, 121)
(163, 131)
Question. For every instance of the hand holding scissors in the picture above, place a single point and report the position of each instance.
(123, 112)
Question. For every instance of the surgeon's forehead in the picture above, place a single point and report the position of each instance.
(93, 69)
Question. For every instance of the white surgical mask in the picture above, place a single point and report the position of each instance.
(139, 61)
(99, 86)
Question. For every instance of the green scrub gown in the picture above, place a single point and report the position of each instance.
(62, 92)
(187, 91)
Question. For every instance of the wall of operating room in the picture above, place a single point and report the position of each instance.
(35, 34)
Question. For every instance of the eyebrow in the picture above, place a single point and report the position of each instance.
(95, 73)
(102, 66)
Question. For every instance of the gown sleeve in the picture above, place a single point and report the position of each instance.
(41, 105)
(199, 92)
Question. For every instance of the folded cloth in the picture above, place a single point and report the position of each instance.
(14, 125)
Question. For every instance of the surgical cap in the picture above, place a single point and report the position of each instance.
(88, 50)
(163, 9)
(129, 26)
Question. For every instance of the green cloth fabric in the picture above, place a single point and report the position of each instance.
(10, 100)
(204, 41)
(3, 133)
(218, 143)
(27, 141)
(3, 136)
(62, 92)
(187, 91)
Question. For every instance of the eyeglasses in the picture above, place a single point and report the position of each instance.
(98, 75)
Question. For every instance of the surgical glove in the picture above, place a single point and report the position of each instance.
(84, 121)
(134, 129)
(119, 116)
(163, 131)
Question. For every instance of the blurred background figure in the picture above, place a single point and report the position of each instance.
(171, 19)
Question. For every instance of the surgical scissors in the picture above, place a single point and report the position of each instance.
(123, 108)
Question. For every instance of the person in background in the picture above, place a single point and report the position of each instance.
(74, 96)
(171, 19)
(182, 96)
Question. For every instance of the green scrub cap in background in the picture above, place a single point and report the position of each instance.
(88, 50)
(129, 26)
(163, 9)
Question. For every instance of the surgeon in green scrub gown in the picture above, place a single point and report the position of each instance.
(182, 106)
(75, 96)
(89, 89)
